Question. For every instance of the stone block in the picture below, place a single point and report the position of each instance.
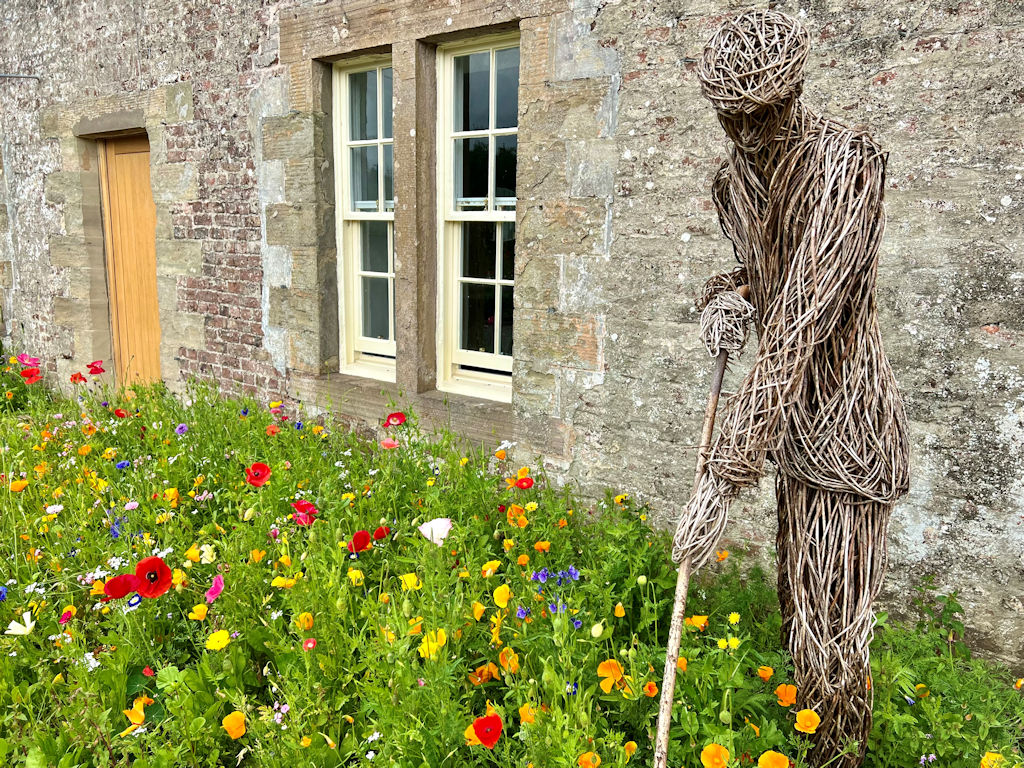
(293, 225)
(590, 167)
(288, 137)
(174, 182)
(178, 101)
(179, 257)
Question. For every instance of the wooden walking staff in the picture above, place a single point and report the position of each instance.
(723, 326)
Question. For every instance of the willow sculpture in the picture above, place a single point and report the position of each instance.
(800, 197)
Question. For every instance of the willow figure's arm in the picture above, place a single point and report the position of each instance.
(830, 228)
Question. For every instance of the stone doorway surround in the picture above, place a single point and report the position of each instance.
(79, 251)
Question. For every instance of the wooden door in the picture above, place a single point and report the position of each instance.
(130, 223)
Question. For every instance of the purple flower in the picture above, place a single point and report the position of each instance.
(573, 573)
(541, 575)
(298, 425)
(3, 594)
(123, 464)
(577, 623)
(522, 612)
(181, 429)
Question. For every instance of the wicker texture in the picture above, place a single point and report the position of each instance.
(800, 197)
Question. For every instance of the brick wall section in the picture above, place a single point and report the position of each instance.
(616, 230)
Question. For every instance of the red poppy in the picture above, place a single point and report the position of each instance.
(33, 379)
(273, 429)
(28, 373)
(148, 671)
(381, 533)
(360, 541)
(95, 367)
(257, 474)
(524, 483)
(395, 419)
(77, 378)
(152, 576)
(120, 586)
(488, 730)
(309, 644)
(305, 513)
(120, 413)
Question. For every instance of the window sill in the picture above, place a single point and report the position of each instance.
(363, 369)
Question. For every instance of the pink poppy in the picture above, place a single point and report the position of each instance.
(389, 442)
(214, 591)
(95, 367)
(309, 644)
(24, 359)
(305, 513)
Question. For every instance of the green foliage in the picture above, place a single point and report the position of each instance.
(414, 641)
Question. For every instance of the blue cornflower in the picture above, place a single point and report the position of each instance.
(181, 429)
(910, 701)
(123, 464)
(573, 573)
(571, 688)
(133, 602)
(541, 575)
(115, 527)
(3, 594)
(245, 411)
(577, 623)
(105, 404)
(522, 612)
(298, 425)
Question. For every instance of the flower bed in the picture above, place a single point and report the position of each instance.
(225, 583)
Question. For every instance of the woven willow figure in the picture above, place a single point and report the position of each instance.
(800, 197)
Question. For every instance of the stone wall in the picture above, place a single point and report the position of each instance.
(616, 230)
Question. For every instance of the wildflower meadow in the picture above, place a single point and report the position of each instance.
(217, 581)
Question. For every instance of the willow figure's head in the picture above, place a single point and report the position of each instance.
(752, 73)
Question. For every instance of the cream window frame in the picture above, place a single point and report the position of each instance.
(360, 355)
(450, 377)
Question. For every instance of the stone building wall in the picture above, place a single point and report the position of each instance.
(616, 230)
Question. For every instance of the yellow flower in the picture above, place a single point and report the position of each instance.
(304, 621)
(734, 618)
(415, 625)
(621, 498)
(218, 640)
(619, 611)
(734, 643)
(496, 622)
(992, 760)
(772, 759)
(285, 560)
(97, 589)
(282, 582)
(356, 577)
(611, 674)
(306, 741)
(18, 486)
(681, 663)
(922, 690)
(256, 555)
(198, 612)
(807, 721)
(192, 553)
(630, 748)
(136, 715)
(209, 554)
(714, 756)
(527, 714)
(589, 760)
(699, 622)
(723, 643)
(502, 595)
(410, 581)
(489, 568)
(178, 578)
(508, 544)
(234, 724)
(531, 506)
(478, 610)
(432, 643)
(84, 450)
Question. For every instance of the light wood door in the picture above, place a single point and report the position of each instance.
(130, 222)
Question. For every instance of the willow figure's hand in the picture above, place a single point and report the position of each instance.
(727, 281)
(725, 321)
(703, 522)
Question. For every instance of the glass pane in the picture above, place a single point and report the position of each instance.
(478, 249)
(389, 177)
(505, 171)
(386, 103)
(375, 307)
(508, 249)
(506, 319)
(506, 88)
(374, 245)
(364, 178)
(470, 174)
(362, 105)
(472, 91)
(477, 317)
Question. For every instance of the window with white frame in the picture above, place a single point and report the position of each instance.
(364, 153)
(478, 109)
